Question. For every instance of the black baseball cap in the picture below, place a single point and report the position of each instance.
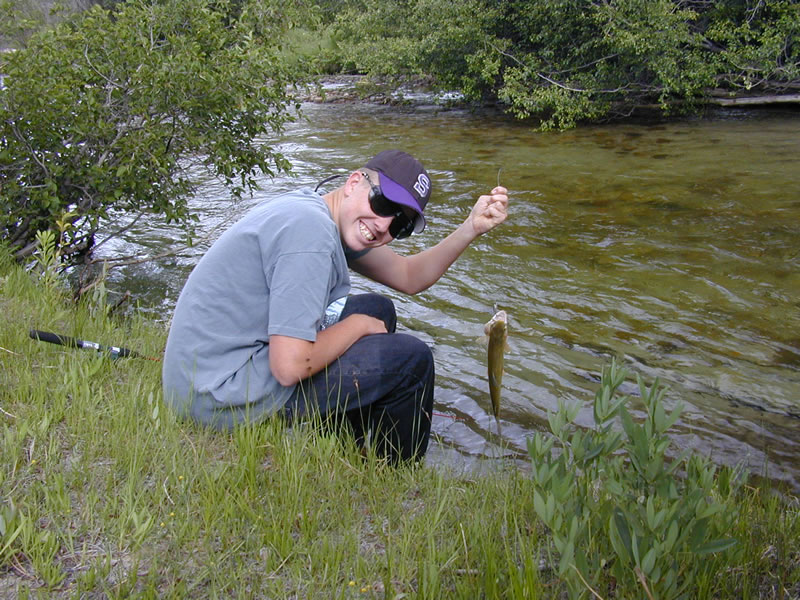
(404, 181)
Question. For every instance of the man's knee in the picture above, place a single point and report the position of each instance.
(374, 305)
(415, 353)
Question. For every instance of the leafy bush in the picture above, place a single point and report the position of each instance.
(568, 65)
(620, 513)
(445, 39)
(115, 113)
(565, 62)
(756, 46)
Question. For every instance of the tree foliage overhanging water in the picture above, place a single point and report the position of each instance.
(566, 62)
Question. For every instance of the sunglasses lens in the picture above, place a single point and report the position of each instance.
(382, 206)
(401, 227)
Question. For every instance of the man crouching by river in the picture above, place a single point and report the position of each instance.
(264, 324)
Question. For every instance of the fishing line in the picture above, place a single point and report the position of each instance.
(446, 416)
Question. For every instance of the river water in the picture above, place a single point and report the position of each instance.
(672, 246)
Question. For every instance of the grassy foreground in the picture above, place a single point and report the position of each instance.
(104, 495)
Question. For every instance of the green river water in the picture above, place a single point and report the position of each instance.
(673, 246)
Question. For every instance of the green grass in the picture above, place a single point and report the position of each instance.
(103, 494)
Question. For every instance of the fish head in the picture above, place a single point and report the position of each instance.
(499, 317)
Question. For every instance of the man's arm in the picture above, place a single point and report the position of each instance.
(413, 274)
(292, 359)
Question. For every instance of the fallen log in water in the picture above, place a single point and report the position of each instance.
(755, 100)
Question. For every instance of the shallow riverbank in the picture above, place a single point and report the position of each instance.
(344, 88)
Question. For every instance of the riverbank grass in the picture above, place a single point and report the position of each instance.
(104, 494)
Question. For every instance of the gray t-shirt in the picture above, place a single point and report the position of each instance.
(272, 273)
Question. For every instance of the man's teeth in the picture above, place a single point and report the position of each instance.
(366, 232)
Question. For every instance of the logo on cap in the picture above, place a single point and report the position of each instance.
(423, 185)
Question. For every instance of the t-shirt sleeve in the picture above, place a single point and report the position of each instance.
(299, 286)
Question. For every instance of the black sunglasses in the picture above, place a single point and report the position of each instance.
(402, 225)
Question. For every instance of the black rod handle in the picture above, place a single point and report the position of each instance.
(64, 340)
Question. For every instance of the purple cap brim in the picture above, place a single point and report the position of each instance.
(399, 195)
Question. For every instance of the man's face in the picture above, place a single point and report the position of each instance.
(360, 226)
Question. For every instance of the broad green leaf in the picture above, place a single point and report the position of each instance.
(621, 526)
(674, 416)
(651, 513)
(716, 546)
(698, 533)
(567, 558)
(659, 417)
(539, 506)
(649, 561)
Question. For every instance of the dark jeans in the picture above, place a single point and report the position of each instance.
(382, 385)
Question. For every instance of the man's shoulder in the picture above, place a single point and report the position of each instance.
(299, 206)
(302, 194)
(297, 221)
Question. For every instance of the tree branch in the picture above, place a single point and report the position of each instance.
(120, 231)
(22, 139)
(553, 81)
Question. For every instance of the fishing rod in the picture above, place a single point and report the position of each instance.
(63, 340)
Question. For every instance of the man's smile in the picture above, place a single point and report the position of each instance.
(365, 232)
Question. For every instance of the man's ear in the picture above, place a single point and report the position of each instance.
(352, 181)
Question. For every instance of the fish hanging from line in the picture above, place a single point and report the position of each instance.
(497, 331)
